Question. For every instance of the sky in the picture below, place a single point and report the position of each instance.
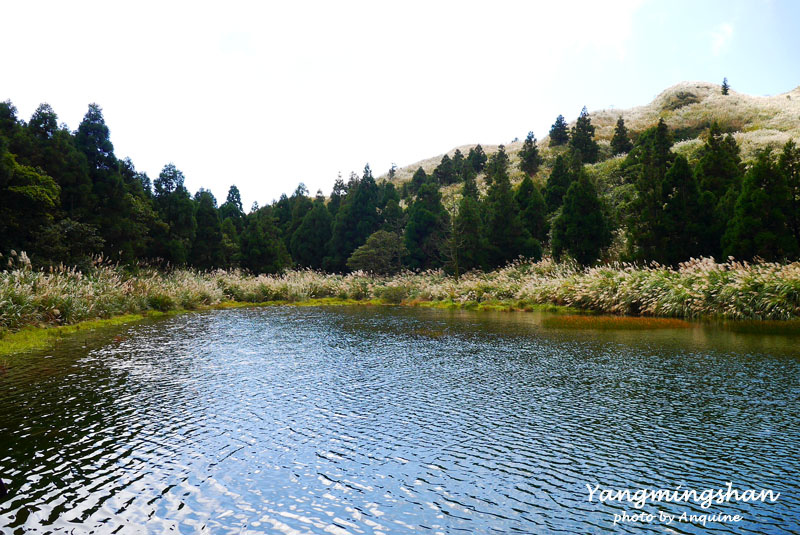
(266, 95)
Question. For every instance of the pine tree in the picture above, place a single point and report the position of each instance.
(506, 236)
(559, 133)
(558, 183)
(582, 138)
(207, 245)
(533, 210)
(529, 158)
(725, 87)
(311, 237)
(681, 220)
(581, 228)
(262, 249)
(232, 209)
(621, 143)
(417, 180)
(477, 158)
(426, 227)
(789, 165)
(760, 227)
(176, 210)
(445, 173)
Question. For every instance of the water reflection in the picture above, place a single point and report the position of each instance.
(359, 420)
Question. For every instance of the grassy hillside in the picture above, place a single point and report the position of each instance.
(688, 109)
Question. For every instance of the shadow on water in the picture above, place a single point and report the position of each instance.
(384, 419)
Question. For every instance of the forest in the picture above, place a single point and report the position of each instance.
(66, 198)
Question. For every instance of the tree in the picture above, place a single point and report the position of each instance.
(207, 245)
(581, 228)
(381, 254)
(582, 138)
(559, 134)
(417, 180)
(175, 207)
(426, 228)
(789, 165)
(468, 247)
(532, 209)
(760, 227)
(681, 220)
(262, 249)
(311, 237)
(621, 143)
(506, 236)
(445, 173)
(725, 87)
(357, 218)
(529, 158)
(557, 185)
(338, 193)
(477, 158)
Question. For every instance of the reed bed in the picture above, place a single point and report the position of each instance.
(696, 289)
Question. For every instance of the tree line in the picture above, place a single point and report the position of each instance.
(65, 198)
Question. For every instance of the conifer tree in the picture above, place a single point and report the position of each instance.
(176, 210)
(232, 209)
(582, 138)
(207, 245)
(682, 221)
(760, 227)
(529, 158)
(558, 183)
(417, 180)
(477, 158)
(581, 228)
(426, 227)
(506, 236)
(262, 249)
(621, 143)
(789, 165)
(559, 133)
(469, 251)
(725, 87)
(312, 236)
(338, 193)
(532, 209)
(445, 173)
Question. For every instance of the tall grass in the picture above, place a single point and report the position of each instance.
(699, 288)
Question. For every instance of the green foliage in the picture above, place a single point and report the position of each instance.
(477, 159)
(559, 133)
(312, 236)
(262, 249)
(529, 158)
(382, 254)
(621, 143)
(533, 210)
(558, 183)
(445, 173)
(760, 227)
(725, 87)
(417, 180)
(581, 140)
(506, 236)
(581, 229)
(207, 250)
(426, 227)
(789, 165)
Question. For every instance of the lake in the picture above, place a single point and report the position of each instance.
(394, 420)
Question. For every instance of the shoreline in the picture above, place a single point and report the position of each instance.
(44, 336)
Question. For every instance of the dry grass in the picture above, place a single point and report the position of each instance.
(699, 288)
(689, 107)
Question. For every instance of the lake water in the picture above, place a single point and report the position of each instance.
(394, 420)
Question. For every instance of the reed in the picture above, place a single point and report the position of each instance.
(699, 288)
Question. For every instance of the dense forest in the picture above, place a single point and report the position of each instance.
(66, 198)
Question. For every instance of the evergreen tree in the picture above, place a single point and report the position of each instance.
(459, 163)
(232, 209)
(506, 236)
(681, 220)
(381, 254)
(760, 226)
(558, 183)
(582, 138)
(529, 158)
(230, 243)
(338, 193)
(469, 247)
(789, 165)
(477, 158)
(532, 209)
(621, 143)
(262, 249)
(559, 133)
(725, 87)
(581, 228)
(312, 236)
(417, 180)
(176, 210)
(426, 228)
(301, 205)
(445, 173)
(357, 218)
(207, 245)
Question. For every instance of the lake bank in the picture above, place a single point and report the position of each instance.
(702, 289)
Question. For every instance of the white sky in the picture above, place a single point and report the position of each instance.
(268, 94)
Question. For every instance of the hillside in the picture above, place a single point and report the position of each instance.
(688, 108)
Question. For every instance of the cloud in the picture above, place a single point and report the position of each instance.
(720, 38)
